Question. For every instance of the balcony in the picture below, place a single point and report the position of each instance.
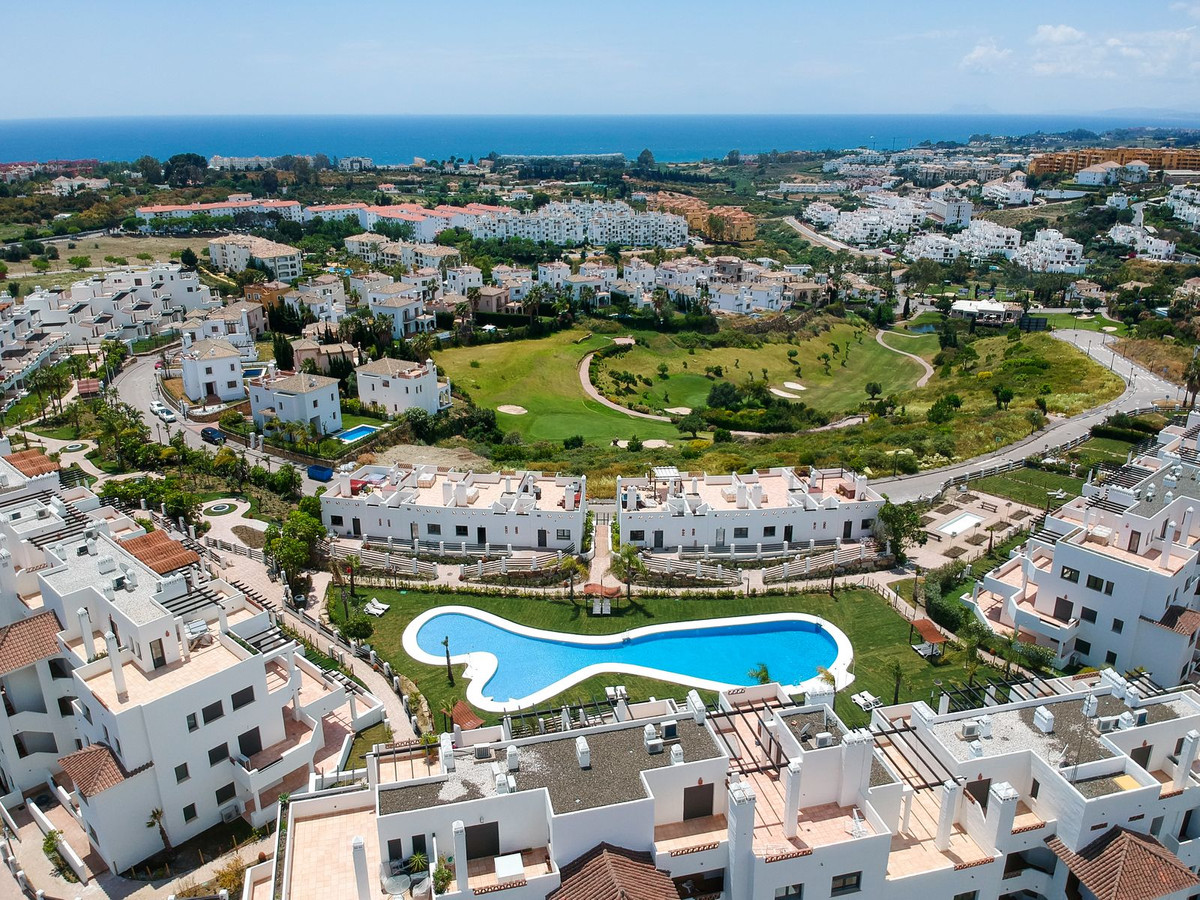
(271, 764)
(536, 865)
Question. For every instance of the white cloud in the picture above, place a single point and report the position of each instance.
(1056, 34)
(985, 56)
(1191, 10)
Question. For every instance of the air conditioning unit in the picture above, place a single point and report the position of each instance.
(970, 730)
(230, 812)
(483, 751)
(1107, 724)
(824, 739)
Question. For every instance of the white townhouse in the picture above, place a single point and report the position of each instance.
(638, 271)
(1008, 193)
(553, 274)
(1147, 245)
(212, 371)
(983, 239)
(405, 303)
(521, 510)
(605, 271)
(1084, 790)
(1111, 577)
(669, 510)
(240, 323)
(310, 400)
(398, 385)
(937, 247)
(821, 214)
(365, 246)
(461, 279)
(1106, 172)
(157, 217)
(235, 252)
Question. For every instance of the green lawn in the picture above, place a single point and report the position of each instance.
(839, 390)
(1029, 486)
(879, 636)
(1070, 321)
(1102, 450)
(925, 346)
(541, 376)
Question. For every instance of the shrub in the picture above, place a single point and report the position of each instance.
(722, 436)
(573, 443)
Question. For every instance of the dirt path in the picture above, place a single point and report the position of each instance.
(924, 379)
(585, 381)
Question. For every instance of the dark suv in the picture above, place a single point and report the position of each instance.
(212, 435)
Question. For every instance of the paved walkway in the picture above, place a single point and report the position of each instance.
(924, 379)
(585, 381)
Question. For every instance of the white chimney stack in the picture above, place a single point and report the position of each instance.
(85, 631)
(362, 878)
(583, 752)
(114, 662)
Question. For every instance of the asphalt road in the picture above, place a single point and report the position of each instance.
(138, 386)
(1141, 388)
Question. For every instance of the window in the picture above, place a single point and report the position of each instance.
(181, 773)
(1110, 658)
(850, 883)
(741, 533)
(1069, 574)
(967, 895)
(461, 531)
(790, 891)
(1083, 647)
(1095, 583)
(226, 793)
(769, 531)
(1108, 588)
(191, 722)
(217, 754)
(208, 370)
(637, 535)
(189, 812)
(1034, 788)
(64, 706)
(1088, 615)
(231, 384)
(1118, 626)
(212, 712)
(244, 697)
(868, 524)
(336, 521)
(433, 528)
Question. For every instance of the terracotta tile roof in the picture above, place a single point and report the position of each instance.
(88, 387)
(160, 552)
(93, 769)
(1181, 620)
(32, 462)
(613, 873)
(25, 642)
(1125, 865)
(929, 632)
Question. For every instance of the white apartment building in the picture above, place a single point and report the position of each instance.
(168, 689)
(62, 186)
(159, 216)
(1106, 172)
(337, 212)
(1050, 251)
(398, 385)
(311, 400)
(366, 245)
(1008, 193)
(951, 209)
(418, 256)
(983, 239)
(1111, 577)
(821, 214)
(669, 510)
(212, 371)
(937, 247)
(638, 271)
(461, 279)
(1147, 245)
(553, 274)
(1084, 791)
(234, 252)
(522, 510)
(687, 272)
(405, 304)
(606, 272)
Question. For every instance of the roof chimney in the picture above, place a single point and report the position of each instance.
(1043, 720)
(114, 662)
(85, 630)
(583, 752)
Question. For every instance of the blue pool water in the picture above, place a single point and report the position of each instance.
(792, 651)
(358, 432)
(251, 373)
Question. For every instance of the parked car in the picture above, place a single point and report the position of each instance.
(212, 435)
(165, 414)
(158, 364)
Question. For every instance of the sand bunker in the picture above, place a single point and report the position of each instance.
(512, 410)
(652, 444)
(778, 393)
(1109, 328)
(794, 386)
(678, 410)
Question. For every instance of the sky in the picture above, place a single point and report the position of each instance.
(150, 57)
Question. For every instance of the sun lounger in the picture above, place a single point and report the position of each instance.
(596, 607)
(606, 608)
(372, 611)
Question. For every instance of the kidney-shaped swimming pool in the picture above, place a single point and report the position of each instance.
(511, 666)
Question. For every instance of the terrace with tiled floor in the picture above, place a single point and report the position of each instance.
(916, 851)
(481, 873)
(322, 861)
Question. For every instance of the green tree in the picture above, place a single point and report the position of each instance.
(899, 525)
(156, 821)
(359, 628)
(873, 389)
(1003, 396)
(627, 565)
(187, 258)
(691, 423)
(80, 262)
(760, 674)
(645, 159)
(285, 356)
(896, 672)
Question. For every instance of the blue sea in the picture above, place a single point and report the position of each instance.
(397, 139)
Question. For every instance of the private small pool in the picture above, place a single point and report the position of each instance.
(357, 433)
(510, 666)
(960, 523)
(251, 373)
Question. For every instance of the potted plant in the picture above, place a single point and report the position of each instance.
(418, 863)
(442, 876)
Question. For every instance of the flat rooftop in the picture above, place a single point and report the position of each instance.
(618, 757)
(146, 687)
(447, 488)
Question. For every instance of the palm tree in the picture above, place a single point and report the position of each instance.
(759, 674)
(626, 565)
(572, 568)
(156, 821)
(36, 382)
(1191, 379)
(58, 382)
(449, 671)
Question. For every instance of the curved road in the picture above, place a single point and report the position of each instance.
(585, 381)
(1142, 388)
(924, 379)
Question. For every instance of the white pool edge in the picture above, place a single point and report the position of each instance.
(481, 665)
